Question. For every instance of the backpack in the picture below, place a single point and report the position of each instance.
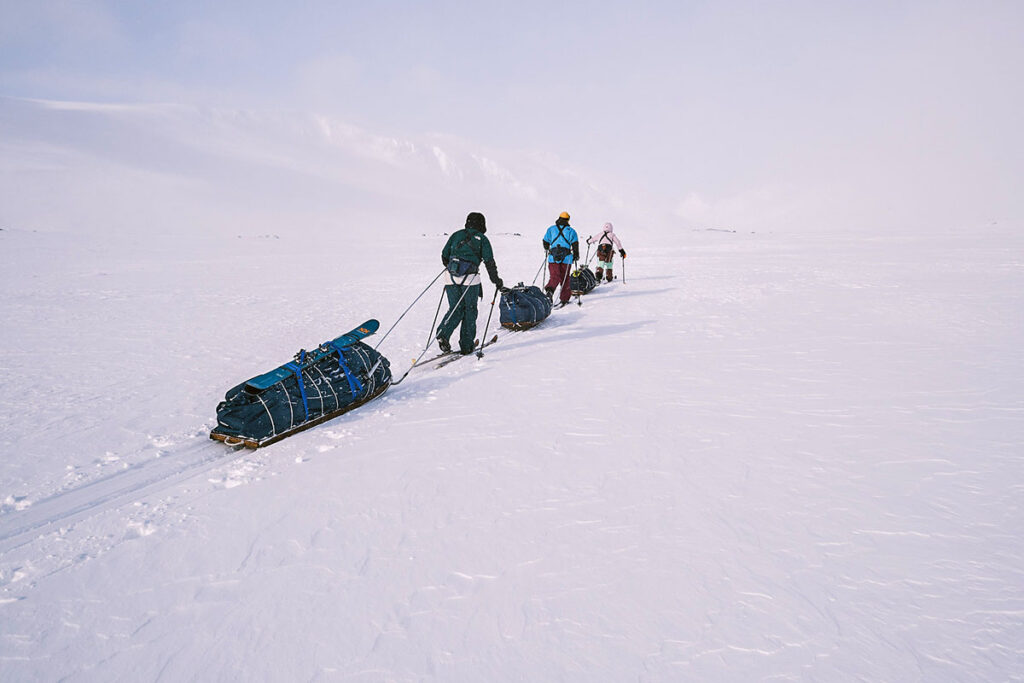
(604, 249)
(459, 267)
(559, 253)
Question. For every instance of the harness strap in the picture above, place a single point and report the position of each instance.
(453, 257)
(469, 236)
(353, 382)
(302, 387)
(568, 244)
(560, 229)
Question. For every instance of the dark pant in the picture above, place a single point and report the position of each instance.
(461, 312)
(559, 275)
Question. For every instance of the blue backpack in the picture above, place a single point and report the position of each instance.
(557, 251)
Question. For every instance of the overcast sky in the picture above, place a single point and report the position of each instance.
(889, 111)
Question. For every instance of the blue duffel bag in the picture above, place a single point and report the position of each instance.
(523, 307)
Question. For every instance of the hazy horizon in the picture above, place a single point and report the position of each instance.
(734, 114)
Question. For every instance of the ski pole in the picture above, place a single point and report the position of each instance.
(623, 270)
(443, 271)
(483, 338)
(465, 289)
(399, 381)
(579, 293)
(565, 279)
(541, 267)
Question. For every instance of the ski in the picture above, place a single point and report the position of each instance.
(439, 356)
(450, 358)
(456, 355)
(420, 364)
(488, 343)
(445, 358)
(306, 358)
(444, 354)
(358, 334)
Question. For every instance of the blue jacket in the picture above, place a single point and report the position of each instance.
(568, 240)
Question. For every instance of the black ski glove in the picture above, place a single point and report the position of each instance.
(622, 253)
(499, 283)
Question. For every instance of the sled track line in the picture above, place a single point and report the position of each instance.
(114, 490)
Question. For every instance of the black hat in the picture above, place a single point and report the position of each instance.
(476, 221)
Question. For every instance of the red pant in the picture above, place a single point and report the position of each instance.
(560, 276)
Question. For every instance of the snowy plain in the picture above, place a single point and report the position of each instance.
(758, 455)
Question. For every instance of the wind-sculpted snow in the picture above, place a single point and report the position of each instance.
(752, 457)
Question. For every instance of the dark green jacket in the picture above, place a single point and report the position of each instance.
(471, 245)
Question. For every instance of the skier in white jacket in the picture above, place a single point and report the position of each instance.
(607, 241)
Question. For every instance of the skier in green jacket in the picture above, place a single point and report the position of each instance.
(462, 255)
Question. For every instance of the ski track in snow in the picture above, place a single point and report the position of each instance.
(757, 458)
(112, 490)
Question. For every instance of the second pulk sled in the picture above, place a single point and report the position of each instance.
(582, 281)
(523, 307)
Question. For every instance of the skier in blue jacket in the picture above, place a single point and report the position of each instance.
(562, 245)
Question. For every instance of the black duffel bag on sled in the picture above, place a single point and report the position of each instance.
(582, 281)
(339, 375)
(523, 307)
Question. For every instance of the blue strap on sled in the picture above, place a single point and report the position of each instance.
(302, 387)
(353, 382)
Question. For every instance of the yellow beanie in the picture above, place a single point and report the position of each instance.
(563, 215)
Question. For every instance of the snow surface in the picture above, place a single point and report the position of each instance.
(757, 456)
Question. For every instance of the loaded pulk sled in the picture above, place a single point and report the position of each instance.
(316, 386)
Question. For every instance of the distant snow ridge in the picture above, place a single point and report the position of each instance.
(457, 161)
(446, 164)
(504, 176)
(168, 166)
